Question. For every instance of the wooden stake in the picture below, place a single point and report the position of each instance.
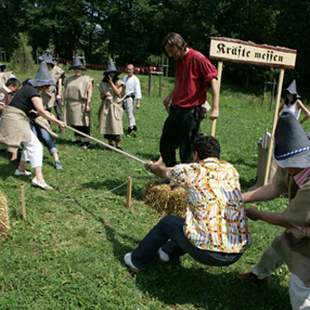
(219, 79)
(23, 202)
(129, 192)
(274, 125)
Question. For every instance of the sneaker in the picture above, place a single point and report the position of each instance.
(129, 131)
(58, 165)
(129, 264)
(41, 184)
(22, 173)
(163, 256)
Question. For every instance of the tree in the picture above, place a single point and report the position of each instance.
(21, 59)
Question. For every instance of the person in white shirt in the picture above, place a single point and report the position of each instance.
(133, 88)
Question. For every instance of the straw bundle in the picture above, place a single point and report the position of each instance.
(166, 199)
(4, 216)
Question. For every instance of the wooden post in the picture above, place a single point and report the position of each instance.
(129, 192)
(219, 78)
(274, 125)
(160, 83)
(150, 84)
(22, 202)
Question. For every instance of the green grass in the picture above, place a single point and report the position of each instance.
(68, 253)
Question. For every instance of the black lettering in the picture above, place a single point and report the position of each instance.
(221, 48)
(258, 55)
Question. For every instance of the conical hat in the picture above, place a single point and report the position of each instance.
(111, 67)
(48, 58)
(77, 64)
(292, 89)
(292, 146)
(43, 77)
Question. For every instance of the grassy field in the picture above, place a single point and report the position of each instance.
(68, 253)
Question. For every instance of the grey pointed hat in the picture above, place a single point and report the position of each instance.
(77, 63)
(111, 67)
(48, 58)
(43, 77)
(292, 89)
(292, 146)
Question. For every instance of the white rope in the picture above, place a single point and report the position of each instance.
(107, 145)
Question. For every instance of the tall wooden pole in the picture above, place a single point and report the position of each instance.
(129, 193)
(23, 202)
(219, 78)
(274, 125)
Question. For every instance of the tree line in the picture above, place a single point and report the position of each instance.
(132, 30)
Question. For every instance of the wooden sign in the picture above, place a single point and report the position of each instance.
(248, 52)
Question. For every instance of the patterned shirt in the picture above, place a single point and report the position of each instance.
(215, 216)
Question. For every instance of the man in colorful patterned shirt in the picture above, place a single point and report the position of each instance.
(215, 230)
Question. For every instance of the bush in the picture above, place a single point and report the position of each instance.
(21, 59)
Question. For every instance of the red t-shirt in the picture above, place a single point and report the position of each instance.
(193, 74)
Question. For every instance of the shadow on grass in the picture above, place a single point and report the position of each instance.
(93, 145)
(175, 285)
(119, 248)
(246, 184)
(7, 170)
(148, 156)
(117, 187)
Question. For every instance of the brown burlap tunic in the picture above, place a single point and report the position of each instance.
(292, 245)
(110, 112)
(75, 96)
(49, 97)
(14, 128)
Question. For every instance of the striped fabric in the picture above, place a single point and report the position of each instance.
(301, 177)
(215, 217)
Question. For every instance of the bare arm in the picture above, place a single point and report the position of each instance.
(37, 102)
(159, 170)
(268, 217)
(215, 99)
(167, 101)
(89, 96)
(265, 192)
(117, 89)
(304, 110)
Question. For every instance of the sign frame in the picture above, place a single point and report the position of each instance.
(244, 47)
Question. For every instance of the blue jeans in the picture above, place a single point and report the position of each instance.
(44, 137)
(168, 234)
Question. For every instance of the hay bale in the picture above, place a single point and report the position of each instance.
(166, 199)
(4, 216)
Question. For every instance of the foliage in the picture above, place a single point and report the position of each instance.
(21, 59)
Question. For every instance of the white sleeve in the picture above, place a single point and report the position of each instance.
(138, 94)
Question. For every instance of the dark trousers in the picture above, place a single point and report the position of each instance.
(168, 234)
(180, 130)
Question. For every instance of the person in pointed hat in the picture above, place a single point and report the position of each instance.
(292, 154)
(53, 98)
(292, 103)
(50, 99)
(15, 126)
(78, 91)
(111, 88)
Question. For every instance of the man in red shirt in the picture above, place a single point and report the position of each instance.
(194, 76)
